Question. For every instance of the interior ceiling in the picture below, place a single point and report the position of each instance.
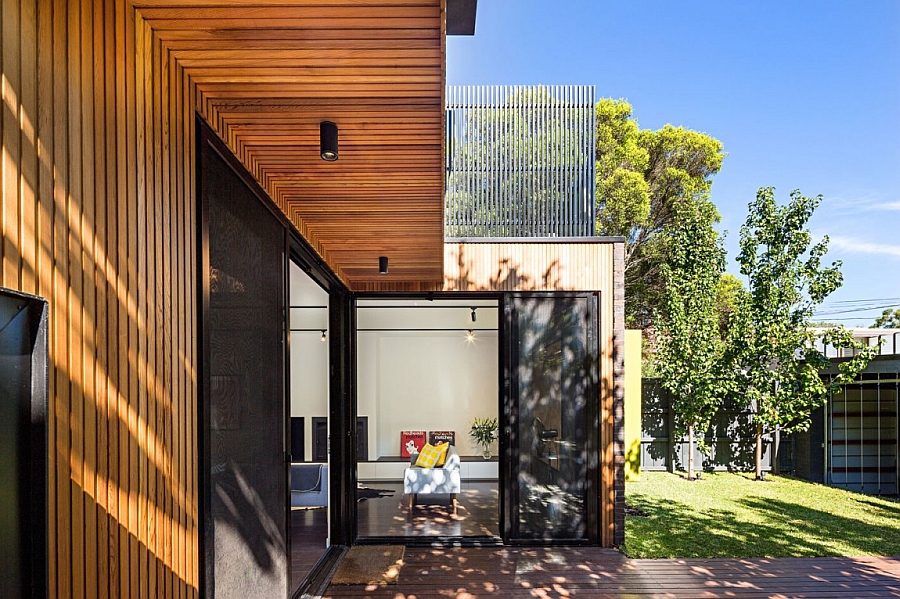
(266, 74)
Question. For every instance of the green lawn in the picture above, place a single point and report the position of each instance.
(731, 515)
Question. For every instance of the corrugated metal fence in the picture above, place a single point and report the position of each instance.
(520, 161)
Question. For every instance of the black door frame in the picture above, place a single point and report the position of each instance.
(427, 541)
(340, 324)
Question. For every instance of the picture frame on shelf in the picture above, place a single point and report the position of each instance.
(411, 442)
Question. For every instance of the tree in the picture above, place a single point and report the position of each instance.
(730, 293)
(889, 319)
(642, 176)
(690, 346)
(772, 340)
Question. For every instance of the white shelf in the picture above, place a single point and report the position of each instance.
(394, 470)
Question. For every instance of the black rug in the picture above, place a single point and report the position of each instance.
(363, 493)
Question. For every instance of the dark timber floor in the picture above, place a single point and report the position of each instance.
(309, 529)
(477, 513)
(594, 572)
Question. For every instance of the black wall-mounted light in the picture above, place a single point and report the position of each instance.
(382, 265)
(328, 141)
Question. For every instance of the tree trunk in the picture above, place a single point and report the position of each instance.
(759, 451)
(690, 459)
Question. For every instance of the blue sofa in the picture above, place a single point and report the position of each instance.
(309, 485)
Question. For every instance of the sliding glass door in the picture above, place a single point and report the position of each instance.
(551, 436)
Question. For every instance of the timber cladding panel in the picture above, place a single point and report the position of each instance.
(565, 264)
(98, 217)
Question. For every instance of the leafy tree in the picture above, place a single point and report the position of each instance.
(889, 319)
(774, 345)
(690, 345)
(730, 293)
(642, 176)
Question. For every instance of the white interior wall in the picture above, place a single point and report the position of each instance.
(367, 388)
(426, 380)
(407, 380)
(432, 381)
(309, 355)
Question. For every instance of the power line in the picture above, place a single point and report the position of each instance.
(859, 301)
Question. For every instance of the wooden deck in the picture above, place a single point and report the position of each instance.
(595, 572)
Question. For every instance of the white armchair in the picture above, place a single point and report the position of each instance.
(445, 479)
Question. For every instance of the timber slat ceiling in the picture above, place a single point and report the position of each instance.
(266, 74)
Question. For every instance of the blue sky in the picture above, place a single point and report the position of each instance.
(803, 95)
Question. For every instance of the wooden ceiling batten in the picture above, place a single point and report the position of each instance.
(266, 73)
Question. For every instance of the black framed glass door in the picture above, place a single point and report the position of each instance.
(551, 433)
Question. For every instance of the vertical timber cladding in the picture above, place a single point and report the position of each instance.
(97, 216)
(565, 264)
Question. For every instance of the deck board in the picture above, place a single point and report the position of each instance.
(597, 572)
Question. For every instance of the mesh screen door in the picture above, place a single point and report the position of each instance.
(551, 407)
(245, 524)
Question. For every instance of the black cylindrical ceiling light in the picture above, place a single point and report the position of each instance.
(382, 265)
(328, 141)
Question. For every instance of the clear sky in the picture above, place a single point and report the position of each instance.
(803, 95)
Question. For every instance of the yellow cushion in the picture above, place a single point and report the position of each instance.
(442, 459)
(429, 456)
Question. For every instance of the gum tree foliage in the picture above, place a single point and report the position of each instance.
(690, 346)
(889, 319)
(642, 177)
(774, 349)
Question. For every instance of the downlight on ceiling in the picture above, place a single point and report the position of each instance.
(328, 141)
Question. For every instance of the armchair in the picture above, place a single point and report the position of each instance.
(445, 479)
(309, 485)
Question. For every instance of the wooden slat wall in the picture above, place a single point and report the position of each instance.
(97, 216)
(565, 266)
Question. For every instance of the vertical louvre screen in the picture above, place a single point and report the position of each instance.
(246, 549)
(520, 161)
(553, 418)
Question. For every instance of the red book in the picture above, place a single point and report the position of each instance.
(411, 442)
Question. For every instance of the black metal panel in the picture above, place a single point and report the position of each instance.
(23, 445)
(244, 382)
(298, 439)
(461, 17)
(342, 416)
(731, 436)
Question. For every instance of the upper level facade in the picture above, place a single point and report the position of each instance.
(519, 161)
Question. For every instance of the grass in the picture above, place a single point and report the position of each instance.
(731, 515)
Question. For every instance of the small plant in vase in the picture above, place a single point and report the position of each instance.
(483, 432)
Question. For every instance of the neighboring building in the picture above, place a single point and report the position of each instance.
(854, 440)
(162, 189)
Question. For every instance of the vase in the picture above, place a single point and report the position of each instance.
(486, 453)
